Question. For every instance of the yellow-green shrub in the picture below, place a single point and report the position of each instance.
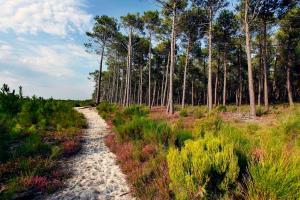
(273, 178)
(203, 168)
(211, 123)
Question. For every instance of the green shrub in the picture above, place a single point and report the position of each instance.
(291, 125)
(221, 108)
(56, 151)
(260, 111)
(212, 123)
(131, 130)
(33, 145)
(205, 168)
(183, 112)
(136, 110)
(181, 136)
(106, 107)
(241, 145)
(118, 119)
(199, 112)
(158, 132)
(272, 178)
(252, 128)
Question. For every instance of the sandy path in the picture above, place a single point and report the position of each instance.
(96, 174)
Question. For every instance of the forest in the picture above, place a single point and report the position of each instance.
(200, 53)
(202, 98)
(198, 99)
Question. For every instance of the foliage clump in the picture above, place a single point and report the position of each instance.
(273, 178)
(204, 168)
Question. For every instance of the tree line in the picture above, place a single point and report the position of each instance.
(200, 52)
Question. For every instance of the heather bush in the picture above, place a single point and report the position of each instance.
(70, 147)
(205, 168)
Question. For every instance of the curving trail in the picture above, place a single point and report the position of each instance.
(95, 172)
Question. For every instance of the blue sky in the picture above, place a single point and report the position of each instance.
(41, 43)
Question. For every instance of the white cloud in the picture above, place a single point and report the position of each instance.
(56, 17)
(6, 50)
(48, 61)
(54, 60)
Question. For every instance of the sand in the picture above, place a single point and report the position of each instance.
(95, 174)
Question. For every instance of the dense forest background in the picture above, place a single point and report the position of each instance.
(200, 52)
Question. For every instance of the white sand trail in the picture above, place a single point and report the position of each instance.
(95, 172)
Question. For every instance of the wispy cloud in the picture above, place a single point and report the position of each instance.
(53, 59)
(56, 17)
(41, 47)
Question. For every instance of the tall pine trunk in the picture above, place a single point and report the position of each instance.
(266, 90)
(172, 64)
(184, 75)
(98, 95)
(240, 77)
(225, 76)
(149, 73)
(288, 76)
(166, 80)
(209, 85)
(128, 85)
(192, 92)
(249, 62)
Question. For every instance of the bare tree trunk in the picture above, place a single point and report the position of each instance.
(141, 86)
(122, 89)
(149, 81)
(98, 95)
(209, 85)
(166, 81)
(162, 90)
(118, 79)
(240, 77)
(275, 87)
(113, 93)
(192, 92)
(259, 90)
(128, 87)
(216, 87)
(154, 94)
(217, 79)
(288, 77)
(225, 76)
(249, 61)
(259, 75)
(184, 75)
(173, 43)
(266, 91)
(126, 84)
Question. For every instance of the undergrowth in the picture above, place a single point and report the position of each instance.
(217, 160)
(34, 134)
